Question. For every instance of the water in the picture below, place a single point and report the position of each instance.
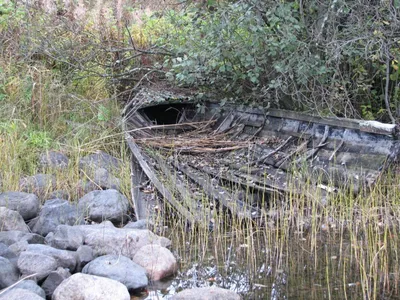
(331, 270)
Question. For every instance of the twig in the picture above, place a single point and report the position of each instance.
(263, 158)
(14, 284)
(387, 96)
(336, 150)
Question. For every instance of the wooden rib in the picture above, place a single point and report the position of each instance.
(300, 148)
(336, 150)
(137, 196)
(263, 158)
(203, 216)
(316, 149)
(149, 171)
(237, 207)
(262, 184)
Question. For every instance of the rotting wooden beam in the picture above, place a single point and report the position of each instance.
(137, 175)
(201, 214)
(364, 126)
(150, 173)
(218, 193)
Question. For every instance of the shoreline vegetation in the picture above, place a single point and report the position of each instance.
(66, 71)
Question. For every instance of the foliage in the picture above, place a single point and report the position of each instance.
(331, 58)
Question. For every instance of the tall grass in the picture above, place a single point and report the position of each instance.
(345, 246)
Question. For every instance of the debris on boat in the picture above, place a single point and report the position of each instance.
(203, 155)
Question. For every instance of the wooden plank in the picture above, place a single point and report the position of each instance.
(202, 215)
(352, 161)
(364, 126)
(137, 176)
(150, 173)
(227, 199)
(280, 147)
(266, 185)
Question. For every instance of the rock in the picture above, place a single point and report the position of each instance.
(84, 255)
(56, 212)
(35, 263)
(26, 204)
(66, 237)
(6, 252)
(54, 280)
(58, 194)
(206, 293)
(20, 294)
(18, 247)
(119, 268)
(11, 220)
(30, 286)
(88, 287)
(39, 184)
(104, 239)
(64, 258)
(105, 180)
(54, 160)
(99, 160)
(158, 261)
(104, 205)
(140, 224)
(120, 241)
(8, 273)
(13, 236)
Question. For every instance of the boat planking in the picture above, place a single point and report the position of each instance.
(202, 156)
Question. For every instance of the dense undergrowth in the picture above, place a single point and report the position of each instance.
(65, 75)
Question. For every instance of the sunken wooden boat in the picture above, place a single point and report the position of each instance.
(203, 155)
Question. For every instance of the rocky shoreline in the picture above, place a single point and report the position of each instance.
(54, 248)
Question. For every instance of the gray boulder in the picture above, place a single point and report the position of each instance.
(13, 236)
(120, 241)
(6, 252)
(53, 160)
(39, 184)
(158, 261)
(140, 224)
(72, 237)
(99, 160)
(105, 180)
(30, 286)
(206, 293)
(88, 287)
(119, 268)
(20, 294)
(104, 205)
(66, 237)
(30, 263)
(26, 204)
(55, 212)
(84, 255)
(64, 258)
(54, 280)
(18, 247)
(8, 273)
(104, 239)
(11, 220)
